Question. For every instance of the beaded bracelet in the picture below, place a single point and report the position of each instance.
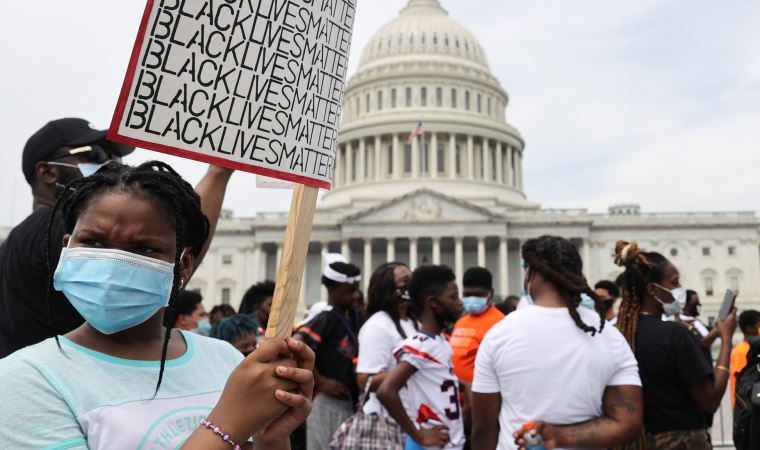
(216, 430)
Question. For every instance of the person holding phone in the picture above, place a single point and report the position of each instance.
(680, 387)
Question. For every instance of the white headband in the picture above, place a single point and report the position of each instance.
(334, 275)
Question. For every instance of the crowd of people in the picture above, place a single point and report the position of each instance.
(102, 347)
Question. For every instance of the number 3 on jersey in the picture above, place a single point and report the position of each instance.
(447, 386)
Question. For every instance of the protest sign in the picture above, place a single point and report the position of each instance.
(252, 85)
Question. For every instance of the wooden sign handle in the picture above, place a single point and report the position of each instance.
(295, 248)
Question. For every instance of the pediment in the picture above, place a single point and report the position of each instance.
(423, 206)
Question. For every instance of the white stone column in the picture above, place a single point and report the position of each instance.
(587, 260)
(256, 270)
(345, 249)
(338, 166)
(349, 172)
(519, 171)
(437, 251)
(324, 248)
(452, 155)
(470, 158)
(362, 166)
(396, 157)
(263, 264)
(390, 252)
(487, 163)
(499, 163)
(416, 157)
(367, 269)
(510, 162)
(378, 158)
(433, 156)
(458, 259)
(481, 252)
(413, 253)
(503, 266)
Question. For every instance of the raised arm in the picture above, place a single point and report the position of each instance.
(211, 190)
(709, 392)
(621, 421)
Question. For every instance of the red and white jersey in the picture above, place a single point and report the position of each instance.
(433, 391)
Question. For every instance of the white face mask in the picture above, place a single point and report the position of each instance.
(679, 300)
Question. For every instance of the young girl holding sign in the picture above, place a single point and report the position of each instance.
(125, 379)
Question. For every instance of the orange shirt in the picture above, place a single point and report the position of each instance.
(738, 362)
(466, 338)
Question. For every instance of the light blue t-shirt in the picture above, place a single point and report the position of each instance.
(79, 398)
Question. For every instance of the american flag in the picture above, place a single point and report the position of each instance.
(416, 132)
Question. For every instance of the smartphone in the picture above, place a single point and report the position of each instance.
(728, 303)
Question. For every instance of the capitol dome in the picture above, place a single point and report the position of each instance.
(425, 68)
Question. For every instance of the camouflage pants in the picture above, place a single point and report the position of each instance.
(680, 440)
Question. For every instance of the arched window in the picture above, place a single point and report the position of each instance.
(709, 278)
(467, 100)
(408, 97)
(733, 278)
(379, 100)
(480, 104)
(453, 98)
(368, 100)
(423, 96)
(439, 97)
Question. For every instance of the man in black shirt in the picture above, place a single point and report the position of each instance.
(61, 151)
(333, 337)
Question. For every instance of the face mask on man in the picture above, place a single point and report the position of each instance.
(113, 290)
(203, 328)
(475, 305)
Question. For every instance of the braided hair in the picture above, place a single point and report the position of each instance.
(557, 260)
(153, 180)
(641, 268)
(381, 294)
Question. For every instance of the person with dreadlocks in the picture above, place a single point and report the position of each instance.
(125, 378)
(556, 363)
(680, 386)
(389, 323)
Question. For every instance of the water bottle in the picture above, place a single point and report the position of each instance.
(532, 442)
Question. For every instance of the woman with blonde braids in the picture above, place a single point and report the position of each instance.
(680, 387)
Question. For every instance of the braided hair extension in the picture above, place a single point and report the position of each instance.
(641, 268)
(381, 294)
(557, 260)
(153, 180)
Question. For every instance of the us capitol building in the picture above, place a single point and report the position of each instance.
(455, 195)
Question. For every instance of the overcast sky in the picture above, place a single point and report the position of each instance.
(652, 101)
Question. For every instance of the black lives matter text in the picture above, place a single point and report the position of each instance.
(257, 82)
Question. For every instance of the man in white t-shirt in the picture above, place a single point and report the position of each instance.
(549, 362)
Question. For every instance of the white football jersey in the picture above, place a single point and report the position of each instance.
(433, 391)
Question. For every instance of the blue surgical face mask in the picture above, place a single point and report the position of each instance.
(113, 290)
(588, 302)
(475, 305)
(203, 328)
(86, 169)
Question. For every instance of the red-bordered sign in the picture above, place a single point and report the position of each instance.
(254, 85)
